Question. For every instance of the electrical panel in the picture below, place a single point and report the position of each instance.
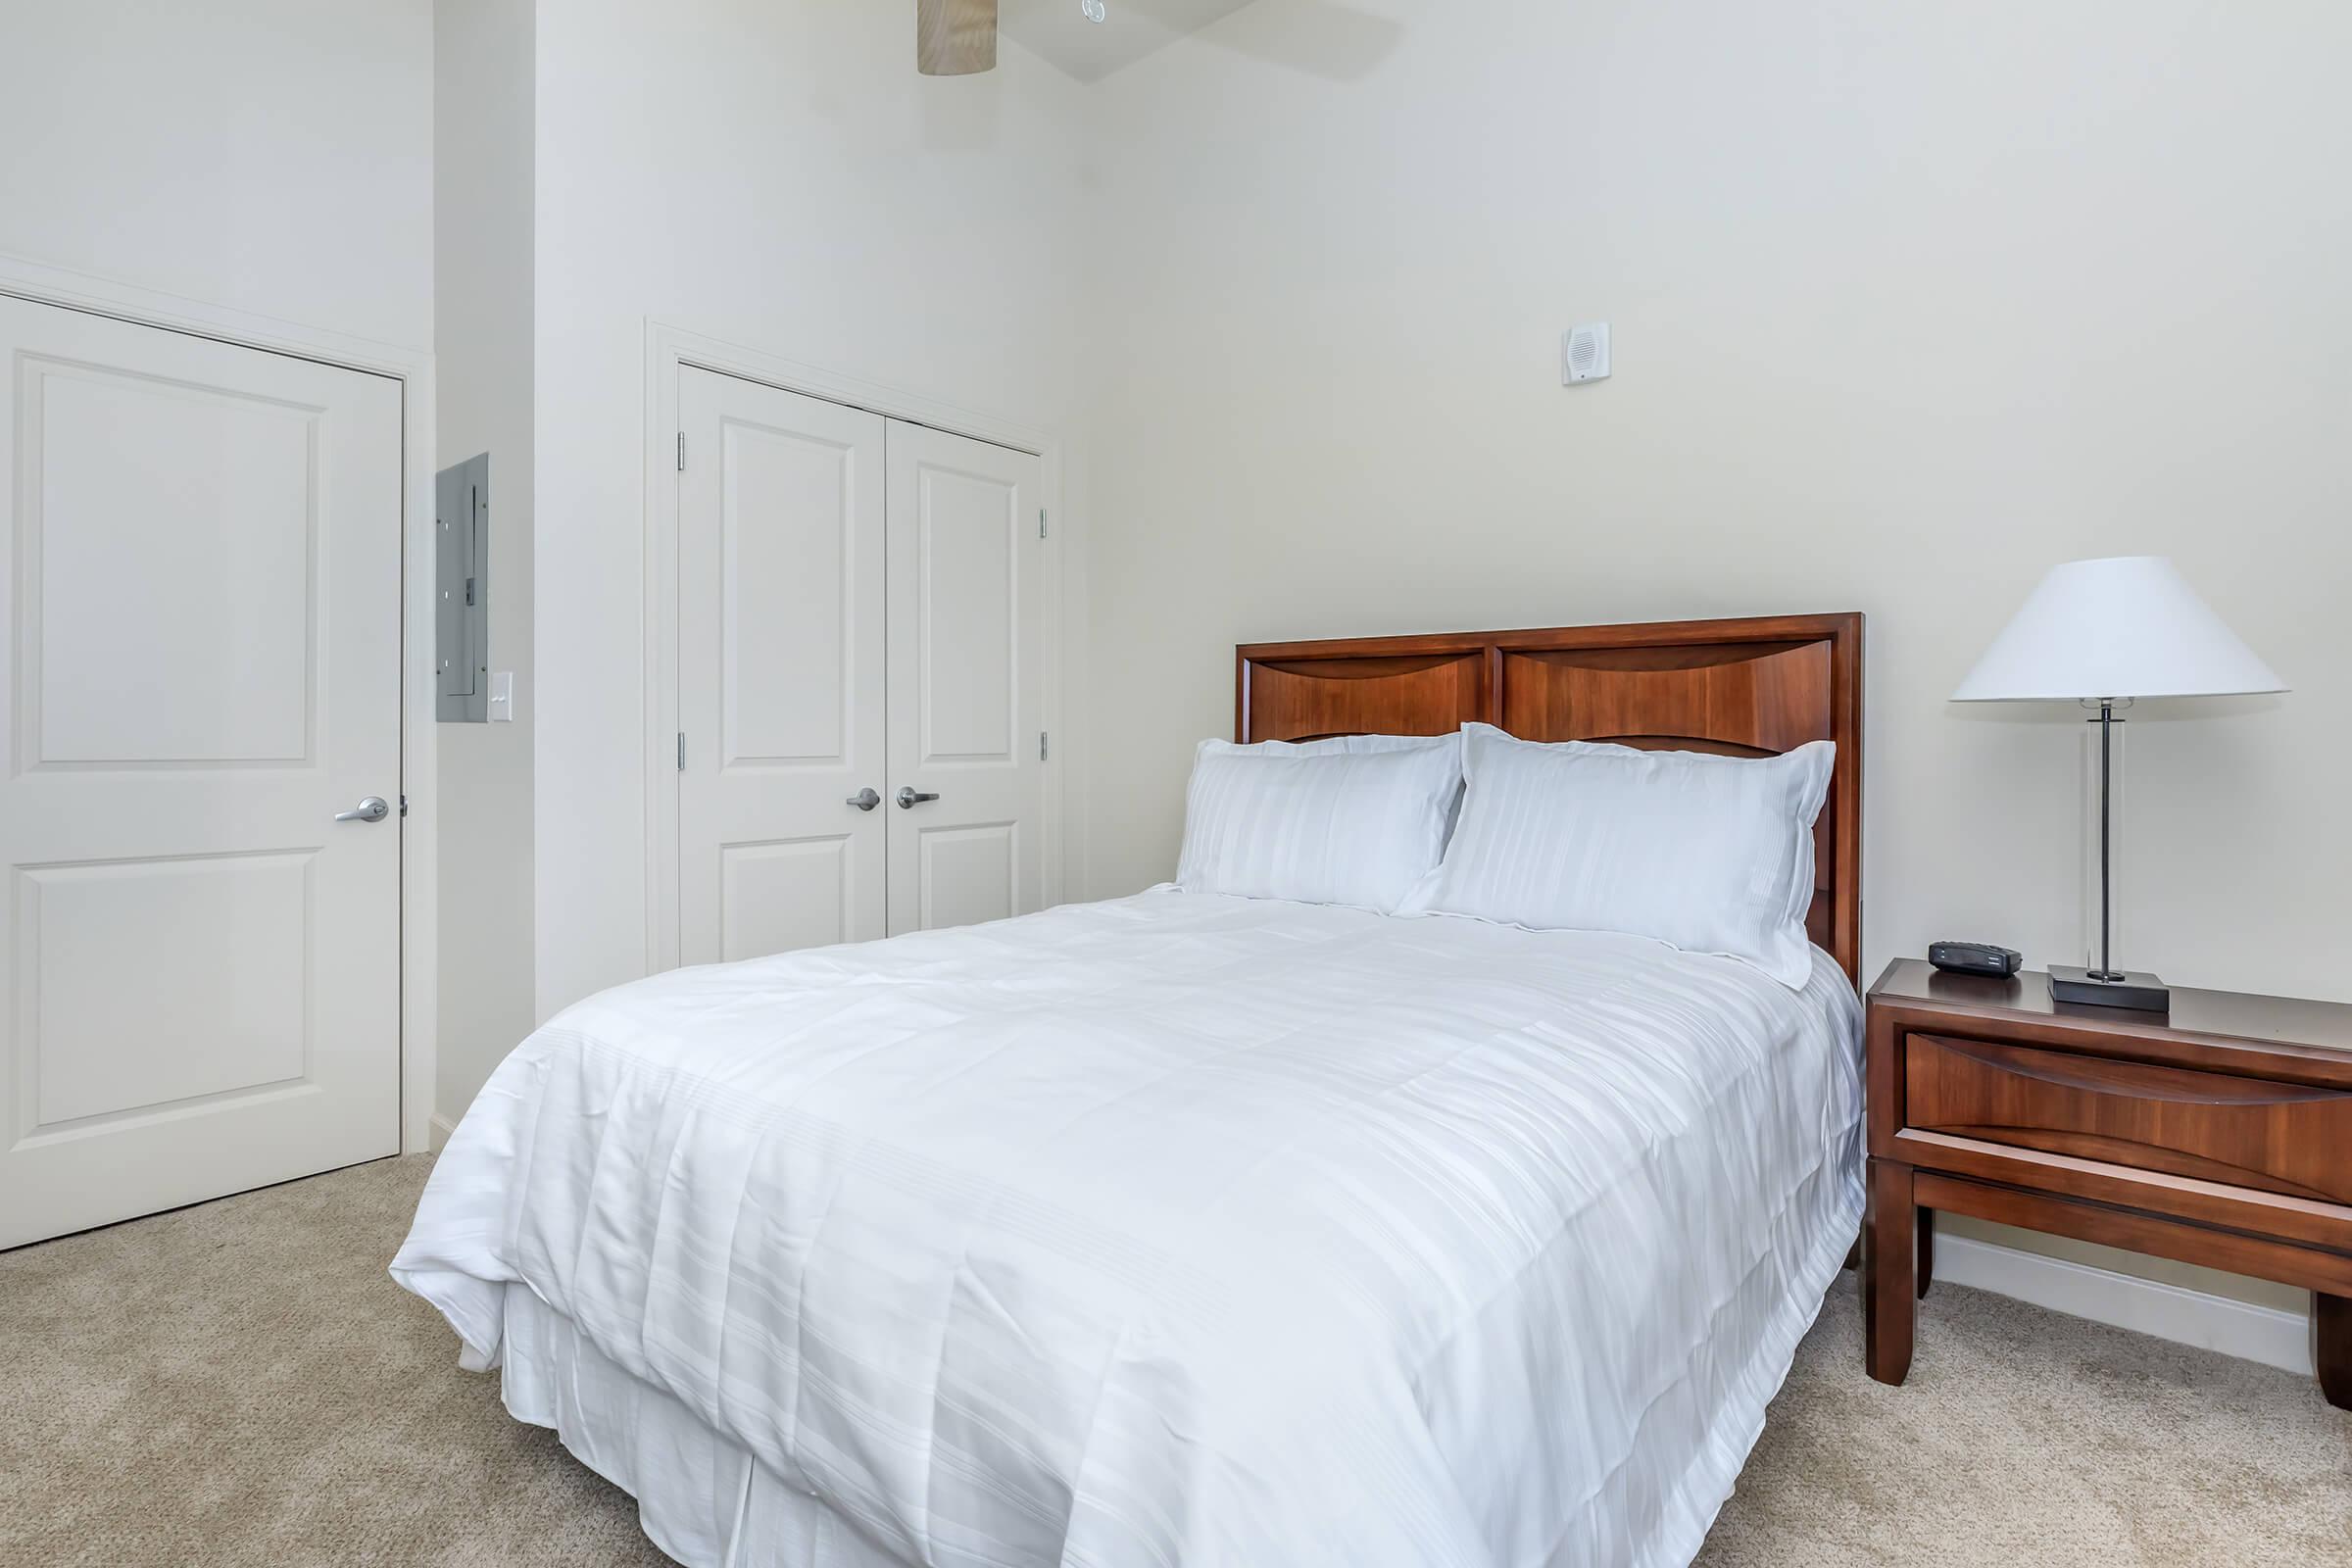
(462, 591)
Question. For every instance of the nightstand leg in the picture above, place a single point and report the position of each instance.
(1927, 1250)
(1889, 1292)
(2333, 1316)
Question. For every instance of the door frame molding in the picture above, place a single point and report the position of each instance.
(669, 348)
(24, 278)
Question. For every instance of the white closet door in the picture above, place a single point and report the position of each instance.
(780, 671)
(965, 687)
(201, 991)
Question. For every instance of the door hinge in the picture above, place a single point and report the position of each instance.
(681, 750)
(1041, 522)
(1042, 747)
(682, 451)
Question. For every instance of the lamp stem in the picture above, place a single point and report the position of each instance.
(2106, 969)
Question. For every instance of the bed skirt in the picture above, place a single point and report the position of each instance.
(699, 1497)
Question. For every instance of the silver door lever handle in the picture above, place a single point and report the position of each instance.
(865, 800)
(371, 810)
(909, 797)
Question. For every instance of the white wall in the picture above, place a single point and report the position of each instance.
(271, 156)
(1910, 302)
(780, 177)
(485, 75)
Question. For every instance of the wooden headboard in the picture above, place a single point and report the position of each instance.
(1745, 688)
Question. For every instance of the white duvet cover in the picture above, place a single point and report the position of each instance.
(1184, 1229)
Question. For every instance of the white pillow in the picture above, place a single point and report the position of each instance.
(1359, 820)
(1451, 744)
(1708, 854)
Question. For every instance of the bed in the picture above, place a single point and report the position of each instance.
(1192, 1229)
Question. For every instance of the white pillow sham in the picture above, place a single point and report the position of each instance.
(1706, 853)
(1359, 819)
(1376, 743)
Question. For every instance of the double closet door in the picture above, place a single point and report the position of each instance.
(860, 695)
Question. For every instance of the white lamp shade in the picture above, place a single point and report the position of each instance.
(2126, 627)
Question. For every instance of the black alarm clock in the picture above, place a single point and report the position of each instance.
(1976, 957)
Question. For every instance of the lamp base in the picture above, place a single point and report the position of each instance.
(2131, 989)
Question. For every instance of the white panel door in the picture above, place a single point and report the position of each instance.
(966, 566)
(781, 671)
(201, 620)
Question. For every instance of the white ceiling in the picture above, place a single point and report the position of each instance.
(1092, 50)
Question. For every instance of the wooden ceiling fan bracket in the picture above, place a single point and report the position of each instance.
(954, 37)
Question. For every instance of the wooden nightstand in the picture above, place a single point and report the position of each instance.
(2218, 1134)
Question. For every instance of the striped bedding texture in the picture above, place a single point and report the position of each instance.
(1183, 1229)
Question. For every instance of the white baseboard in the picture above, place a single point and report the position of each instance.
(442, 1127)
(2189, 1317)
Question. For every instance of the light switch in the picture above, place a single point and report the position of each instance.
(501, 697)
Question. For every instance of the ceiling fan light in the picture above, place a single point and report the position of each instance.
(954, 37)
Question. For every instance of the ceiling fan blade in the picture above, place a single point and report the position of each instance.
(954, 37)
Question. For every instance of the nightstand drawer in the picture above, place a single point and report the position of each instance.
(2245, 1132)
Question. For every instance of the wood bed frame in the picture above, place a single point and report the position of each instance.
(1753, 687)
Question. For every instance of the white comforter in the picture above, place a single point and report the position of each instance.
(1187, 1229)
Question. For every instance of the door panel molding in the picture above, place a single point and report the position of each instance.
(671, 349)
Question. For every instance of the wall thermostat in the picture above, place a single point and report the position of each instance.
(1585, 354)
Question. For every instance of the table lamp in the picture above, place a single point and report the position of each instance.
(2101, 633)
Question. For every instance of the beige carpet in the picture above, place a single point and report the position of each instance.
(240, 1383)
